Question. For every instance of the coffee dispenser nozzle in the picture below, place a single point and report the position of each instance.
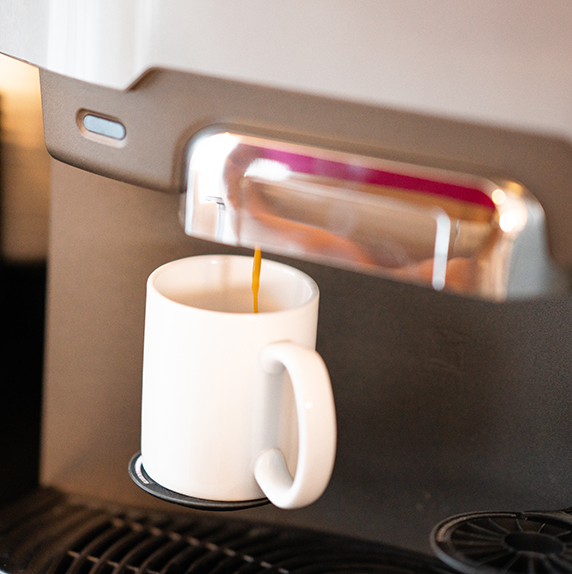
(451, 230)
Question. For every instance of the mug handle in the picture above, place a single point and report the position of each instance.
(316, 429)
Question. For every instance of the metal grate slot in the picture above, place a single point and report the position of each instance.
(254, 568)
(277, 550)
(94, 536)
(234, 563)
(210, 562)
(121, 548)
(213, 532)
(104, 568)
(58, 529)
(148, 547)
(253, 542)
(100, 542)
(81, 567)
(165, 553)
(183, 561)
(64, 565)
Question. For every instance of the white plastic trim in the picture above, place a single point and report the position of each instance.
(502, 62)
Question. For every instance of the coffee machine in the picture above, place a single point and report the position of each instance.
(450, 399)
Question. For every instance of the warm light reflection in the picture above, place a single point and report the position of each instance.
(508, 221)
(25, 169)
(498, 196)
(20, 102)
(268, 169)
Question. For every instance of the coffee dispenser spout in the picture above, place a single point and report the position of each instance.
(466, 233)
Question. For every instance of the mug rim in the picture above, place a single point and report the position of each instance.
(308, 280)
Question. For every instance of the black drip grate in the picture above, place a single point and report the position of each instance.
(53, 533)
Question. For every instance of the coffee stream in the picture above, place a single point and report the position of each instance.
(256, 277)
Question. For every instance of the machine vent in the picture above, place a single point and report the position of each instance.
(52, 533)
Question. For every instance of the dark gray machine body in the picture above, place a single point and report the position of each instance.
(444, 404)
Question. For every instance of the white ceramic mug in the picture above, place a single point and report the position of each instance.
(236, 405)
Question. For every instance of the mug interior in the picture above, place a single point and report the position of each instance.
(224, 283)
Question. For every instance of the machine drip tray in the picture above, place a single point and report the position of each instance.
(50, 532)
(144, 481)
